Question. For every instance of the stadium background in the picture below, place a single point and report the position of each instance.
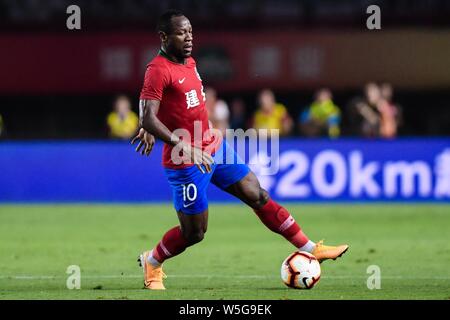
(57, 87)
(65, 82)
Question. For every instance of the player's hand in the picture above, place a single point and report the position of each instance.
(146, 140)
(198, 157)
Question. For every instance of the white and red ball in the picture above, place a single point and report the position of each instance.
(300, 270)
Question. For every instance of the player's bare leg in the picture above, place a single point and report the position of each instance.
(191, 230)
(278, 219)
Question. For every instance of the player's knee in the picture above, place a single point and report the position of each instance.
(195, 237)
(256, 196)
(261, 198)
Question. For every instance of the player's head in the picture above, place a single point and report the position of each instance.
(175, 32)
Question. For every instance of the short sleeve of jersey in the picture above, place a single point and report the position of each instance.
(155, 81)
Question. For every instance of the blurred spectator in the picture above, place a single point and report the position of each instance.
(218, 111)
(272, 115)
(390, 114)
(364, 116)
(122, 122)
(238, 117)
(322, 118)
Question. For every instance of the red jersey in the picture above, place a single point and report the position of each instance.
(179, 89)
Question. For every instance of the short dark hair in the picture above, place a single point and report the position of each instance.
(165, 20)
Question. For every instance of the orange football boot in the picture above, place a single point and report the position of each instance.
(323, 252)
(153, 276)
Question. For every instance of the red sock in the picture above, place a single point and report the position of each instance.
(278, 219)
(172, 244)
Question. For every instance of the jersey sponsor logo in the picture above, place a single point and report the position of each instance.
(192, 100)
(180, 81)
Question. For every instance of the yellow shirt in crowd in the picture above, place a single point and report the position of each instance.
(273, 120)
(123, 128)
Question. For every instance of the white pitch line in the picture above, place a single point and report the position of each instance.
(250, 276)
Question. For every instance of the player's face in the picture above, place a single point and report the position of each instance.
(179, 42)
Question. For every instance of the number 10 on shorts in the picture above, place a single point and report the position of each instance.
(189, 192)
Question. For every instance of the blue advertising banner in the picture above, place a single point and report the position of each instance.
(302, 170)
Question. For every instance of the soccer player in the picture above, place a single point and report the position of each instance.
(172, 108)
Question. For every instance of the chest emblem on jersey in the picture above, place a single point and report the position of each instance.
(192, 100)
(181, 80)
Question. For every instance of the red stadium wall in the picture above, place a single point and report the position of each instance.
(104, 63)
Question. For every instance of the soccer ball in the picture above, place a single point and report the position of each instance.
(300, 270)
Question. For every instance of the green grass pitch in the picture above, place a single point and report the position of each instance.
(239, 258)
